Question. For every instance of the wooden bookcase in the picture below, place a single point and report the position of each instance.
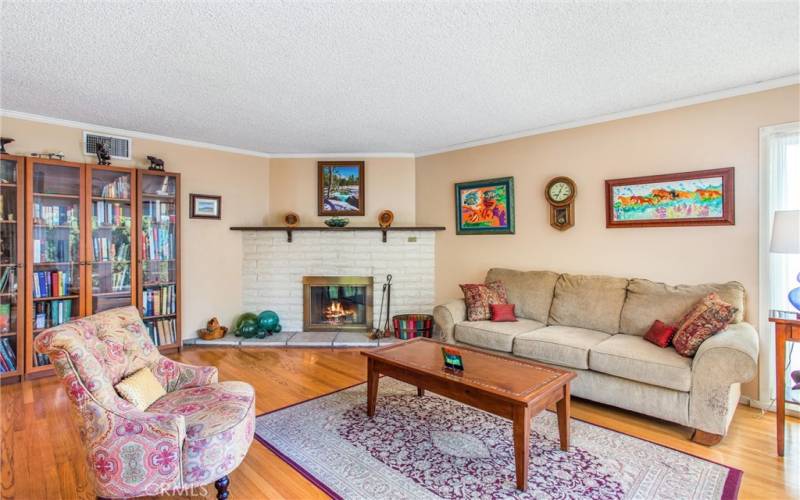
(84, 246)
(55, 250)
(12, 262)
(158, 227)
(111, 248)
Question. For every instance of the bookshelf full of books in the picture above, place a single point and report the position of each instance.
(110, 255)
(77, 239)
(12, 198)
(159, 256)
(55, 249)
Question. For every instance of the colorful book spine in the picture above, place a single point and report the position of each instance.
(8, 356)
(51, 283)
(51, 313)
(162, 331)
(119, 188)
(159, 301)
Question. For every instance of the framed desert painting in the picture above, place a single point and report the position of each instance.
(703, 197)
(485, 207)
(340, 188)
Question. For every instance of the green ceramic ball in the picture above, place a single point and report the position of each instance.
(237, 326)
(249, 328)
(268, 321)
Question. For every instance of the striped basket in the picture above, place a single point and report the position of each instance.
(409, 326)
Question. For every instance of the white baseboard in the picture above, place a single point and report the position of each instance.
(791, 408)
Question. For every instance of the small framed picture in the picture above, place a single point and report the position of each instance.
(452, 359)
(205, 206)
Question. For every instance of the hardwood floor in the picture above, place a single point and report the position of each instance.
(42, 457)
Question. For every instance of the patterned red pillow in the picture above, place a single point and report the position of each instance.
(503, 312)
(479, 297)
(706, 318)
(660, 333)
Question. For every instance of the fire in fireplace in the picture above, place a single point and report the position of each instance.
(337, 303)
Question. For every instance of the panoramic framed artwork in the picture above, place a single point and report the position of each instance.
(340, 188)
(485, 207)
(700, 198)
(205, 206)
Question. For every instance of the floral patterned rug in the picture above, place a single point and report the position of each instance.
(432, 447)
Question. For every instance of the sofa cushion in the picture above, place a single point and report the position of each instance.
(531, 291)
(648, 301)
(591, 302)
(491, 335)
(634, 358)
(559, 345)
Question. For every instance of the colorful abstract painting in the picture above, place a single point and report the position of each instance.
(684, 199)
(485, 207)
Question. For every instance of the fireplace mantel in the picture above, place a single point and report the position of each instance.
(290, 230)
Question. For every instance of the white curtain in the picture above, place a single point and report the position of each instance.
(783, 192)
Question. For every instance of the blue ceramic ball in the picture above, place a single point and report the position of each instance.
(268, 321)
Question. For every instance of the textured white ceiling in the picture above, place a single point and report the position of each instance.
(291, 77)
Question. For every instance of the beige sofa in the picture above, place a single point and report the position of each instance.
(595, 326)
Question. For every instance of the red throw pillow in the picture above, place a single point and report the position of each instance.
(479, 297)
(660, 333)
(706, 318)
(503, 312)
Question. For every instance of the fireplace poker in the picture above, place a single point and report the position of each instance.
(387, 296)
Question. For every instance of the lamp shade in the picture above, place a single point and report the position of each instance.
(786, 232)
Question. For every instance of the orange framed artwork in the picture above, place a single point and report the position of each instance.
(699, 198)
(485, 207)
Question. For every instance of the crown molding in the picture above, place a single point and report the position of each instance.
(655, 108)
(127, 133)
(346, 156)
(186, 142)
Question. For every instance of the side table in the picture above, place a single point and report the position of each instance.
(787, 329)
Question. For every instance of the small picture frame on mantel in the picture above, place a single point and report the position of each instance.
(205, 206)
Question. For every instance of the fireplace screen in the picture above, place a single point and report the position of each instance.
(337, 303)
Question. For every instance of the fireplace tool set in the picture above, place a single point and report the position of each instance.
(383, 330)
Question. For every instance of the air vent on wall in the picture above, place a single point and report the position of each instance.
(119, 147)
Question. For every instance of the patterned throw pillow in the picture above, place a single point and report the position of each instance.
(140, 389)
(707, 317)
(479, 297)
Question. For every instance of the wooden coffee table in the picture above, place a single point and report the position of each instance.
(512, 388)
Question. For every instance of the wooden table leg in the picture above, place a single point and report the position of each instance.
(420, 391)
(372, 387)
(780, 388)
(562, 409)
(522, 444)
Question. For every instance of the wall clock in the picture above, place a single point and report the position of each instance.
(560, 194)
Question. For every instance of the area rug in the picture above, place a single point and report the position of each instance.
(432, 447)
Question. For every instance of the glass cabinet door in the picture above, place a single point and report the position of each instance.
(159, 200)
(54, 247)
(110, 249)
(11, 262)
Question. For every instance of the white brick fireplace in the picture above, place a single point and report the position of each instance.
(273, 268)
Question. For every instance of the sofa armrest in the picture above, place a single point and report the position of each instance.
(447, 315)
(175, 375)
(727, 358)
(731, 354)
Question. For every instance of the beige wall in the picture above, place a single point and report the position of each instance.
(711, 135)
(211, 253)
(389, 184)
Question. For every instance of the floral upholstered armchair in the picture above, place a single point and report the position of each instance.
(195, 434)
